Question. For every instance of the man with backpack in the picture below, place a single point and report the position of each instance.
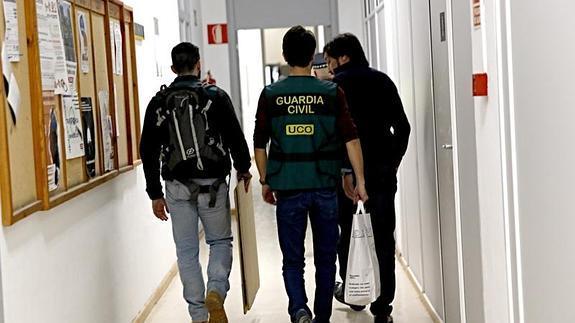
(190, 130)
(307, 122)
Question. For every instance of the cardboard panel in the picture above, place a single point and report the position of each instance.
(247, 245)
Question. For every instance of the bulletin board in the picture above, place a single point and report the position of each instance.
(18, 164)
(72, 91)
(131, 82)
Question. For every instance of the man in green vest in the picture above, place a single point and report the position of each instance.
(308, 126)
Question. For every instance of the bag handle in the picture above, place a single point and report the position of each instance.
(360, 208)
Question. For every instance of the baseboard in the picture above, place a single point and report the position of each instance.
(422, 296)
(158, 293)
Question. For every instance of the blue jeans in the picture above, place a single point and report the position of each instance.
(292, 213)
(216, 221)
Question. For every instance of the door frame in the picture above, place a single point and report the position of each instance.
(465, 160)
(235, 87)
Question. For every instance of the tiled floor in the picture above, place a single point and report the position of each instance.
(271, 301)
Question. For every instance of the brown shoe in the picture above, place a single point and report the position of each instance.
(215, 306)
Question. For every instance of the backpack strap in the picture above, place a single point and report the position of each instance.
(161, 114)
(212, 189)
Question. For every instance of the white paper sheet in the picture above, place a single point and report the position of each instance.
(73, 127)
(13, 90)
(116, 112)
(113, 46)
(60, 73)
(107, 130)
(14, 95)
(11, 37)
(65, 18)
(118, 45)
(83, 30)
(52, 56)
(47, 59)
(52, 177)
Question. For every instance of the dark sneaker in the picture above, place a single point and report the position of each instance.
(302, 316)
(383, 319)
(338, 294)
(215, 306)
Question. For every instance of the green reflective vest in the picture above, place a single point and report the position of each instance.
(306, 148)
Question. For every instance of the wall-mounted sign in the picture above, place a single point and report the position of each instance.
(218, 34)
(139, 33)
(477, 13)
(480, 84)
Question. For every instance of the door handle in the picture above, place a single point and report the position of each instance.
(448, 147)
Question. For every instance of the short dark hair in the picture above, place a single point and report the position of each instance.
(299, 46)
(346, 45)
(185, 56)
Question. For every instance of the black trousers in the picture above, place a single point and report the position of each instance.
(381, 206)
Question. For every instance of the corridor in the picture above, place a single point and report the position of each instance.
(484, 198)
(271, 301)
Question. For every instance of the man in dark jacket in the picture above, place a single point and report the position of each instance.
(307, 126)
(190, 130)
(383, 128)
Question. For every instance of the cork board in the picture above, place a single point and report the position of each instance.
(120, 95)
(85, 4)
(20, 137)
(86, 87)
(130, 80)
(76, 168)
(28, 147)
(99, 43)
(114, 10)
(99, 6)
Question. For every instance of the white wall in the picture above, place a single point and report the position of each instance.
(252, 78)
(543, 69)
(273, 45)
(351, 19)
(98, 257)
(216, 57)
(252, 14)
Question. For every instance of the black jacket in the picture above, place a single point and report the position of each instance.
(377, 111)
(222, 115)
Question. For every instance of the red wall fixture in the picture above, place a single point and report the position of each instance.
(480, 84)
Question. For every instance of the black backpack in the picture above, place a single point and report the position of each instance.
(192, 139)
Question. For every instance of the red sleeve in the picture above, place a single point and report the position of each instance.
(262, 130)
(345, 123)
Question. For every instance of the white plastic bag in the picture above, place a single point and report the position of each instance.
(362, 285)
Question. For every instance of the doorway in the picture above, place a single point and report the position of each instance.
(261, 63)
